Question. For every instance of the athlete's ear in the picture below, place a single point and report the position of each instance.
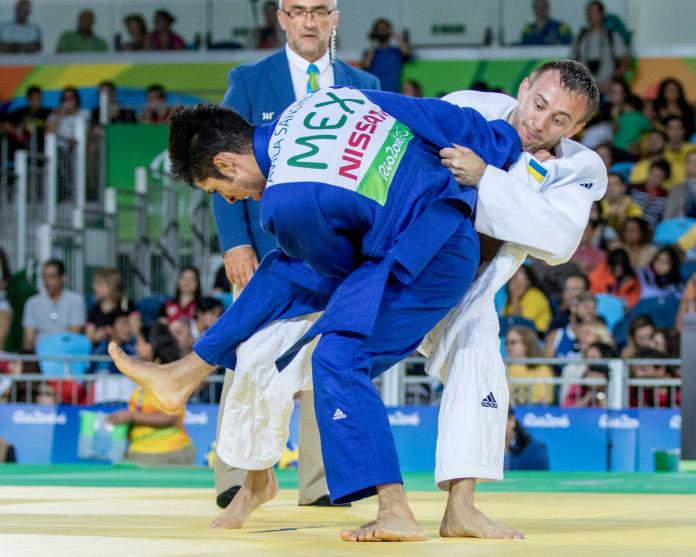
(523, 88)
(225, 163)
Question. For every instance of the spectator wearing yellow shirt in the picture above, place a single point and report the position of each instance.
(617, 205)
(676, 150)
(654, 150)
(155, 438)
(525, 299)
(681, 201)
(522, 342)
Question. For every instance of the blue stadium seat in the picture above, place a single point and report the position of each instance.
(623, 168)
(669, 231)
(610, 308)
(514, 321)
(500, 300)
(64, 344)
(149, 307)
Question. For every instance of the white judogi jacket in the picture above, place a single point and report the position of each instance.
(537, 208)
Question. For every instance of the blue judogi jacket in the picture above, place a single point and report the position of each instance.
(356, 195)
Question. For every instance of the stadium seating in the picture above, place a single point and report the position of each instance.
(623, 168)
(514, 321)
(687, 269)
(610, 308)
(661, 309)
(64, 344)
(149, 307)
(669, 231)
(225, 298)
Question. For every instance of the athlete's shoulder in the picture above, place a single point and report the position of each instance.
(581, 156)
(492, 106)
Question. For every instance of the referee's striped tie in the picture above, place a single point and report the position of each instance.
(313, 78)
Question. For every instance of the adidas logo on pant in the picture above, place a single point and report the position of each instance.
(488, 402)
(339, 415)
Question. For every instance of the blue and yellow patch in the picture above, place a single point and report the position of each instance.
(536, 171)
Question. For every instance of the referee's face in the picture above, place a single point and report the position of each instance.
(547, 112)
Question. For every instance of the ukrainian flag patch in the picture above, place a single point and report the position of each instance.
(537, 171)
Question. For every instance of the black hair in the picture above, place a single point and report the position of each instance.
(663, 165)
(606, 351)
(638, 322)
(71, 89)
(635, 102)
(576, 78)
(618, 175)
(5, 272)
(33, 89)
(164, 347)
(198, 133)
(159, 89)
(522, 438)
(114, 316)
(208, 303)
(619, 258)
(597, 3)
(57, 264)
(645, 230)
(580, 275)
(674, 275)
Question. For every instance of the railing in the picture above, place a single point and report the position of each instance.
(397, 386)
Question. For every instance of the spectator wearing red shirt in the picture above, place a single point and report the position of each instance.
(163, 38)
(616, 277)
(188, 294)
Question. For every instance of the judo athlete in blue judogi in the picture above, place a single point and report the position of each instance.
(372, 231)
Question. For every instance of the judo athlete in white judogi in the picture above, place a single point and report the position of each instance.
(374, 233)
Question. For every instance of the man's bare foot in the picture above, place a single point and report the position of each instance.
(259, 487)
(395, 521)
(463, 520)
(171, 384)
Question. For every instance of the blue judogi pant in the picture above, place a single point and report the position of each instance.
(357, 444)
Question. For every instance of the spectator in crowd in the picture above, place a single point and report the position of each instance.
(412, 88)
(83, 39)
(137, 31)
(606, 153)
(654, 150)
(544, 30)
(617, 205)
(63, 120)
(651, 196)
(589, 332)
(31, 119)
(526, 299)
(676, 150)
(562, 342)
(20, 35)
(117, 328)
(584, 396)
(56, 310)
(155, 437)
(109, 301)
(188, 295)
(163, 37)
(658, 397)
(522, 451)
(603, 51)
(5, 307)
(602, 128)
(671, 101)
(641, 330)
(616, 277)
(268, 36)
(631, 126)
(207, 312)
(523, 342)
(667, 340)
(662, 276)
(588, 255)
(637, 237)
(681, 200)
(115, 113)
(156, 109)
(552, 277)
(574, 285)
(387, 54)
(221, 283)
(180, 329)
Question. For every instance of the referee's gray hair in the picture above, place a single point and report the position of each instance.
(280, 4)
